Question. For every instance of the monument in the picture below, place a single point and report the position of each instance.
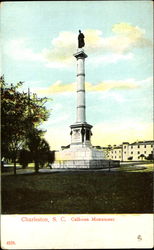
(81, 153)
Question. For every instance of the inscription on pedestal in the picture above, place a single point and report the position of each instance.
(76, 135)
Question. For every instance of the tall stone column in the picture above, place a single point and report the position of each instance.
(81, 130)
(81, 103)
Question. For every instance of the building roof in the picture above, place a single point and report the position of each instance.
(142, 143)
(131, 144)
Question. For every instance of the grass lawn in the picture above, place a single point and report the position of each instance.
(138, 167)
(77, 192)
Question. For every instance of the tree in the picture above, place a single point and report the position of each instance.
(142, 156)
(150, 157)
(43, 151)
(130, 158)
(20, 112)
(12, 109)
(38, 147)
(24, 157)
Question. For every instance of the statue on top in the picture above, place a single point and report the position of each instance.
(81, 42)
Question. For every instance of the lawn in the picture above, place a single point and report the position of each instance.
(148, 167)
(77, 192)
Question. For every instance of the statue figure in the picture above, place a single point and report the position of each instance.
(81, 42)
(82, 133)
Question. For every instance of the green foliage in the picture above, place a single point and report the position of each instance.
(20, 114)
(38, 147)
(24, 158)
(150, 157)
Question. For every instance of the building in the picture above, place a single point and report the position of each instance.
(136, 151)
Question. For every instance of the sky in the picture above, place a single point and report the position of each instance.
(38, 43)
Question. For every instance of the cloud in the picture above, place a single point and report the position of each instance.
(111, 49)
(117, 47)
(111, 84)
(130, 36)
(147, 81)
(124, 38)
(111, 58)
(60, 87)
(65, 44)
(19, 50)
(61, 47)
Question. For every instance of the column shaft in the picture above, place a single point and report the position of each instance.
(81, 105)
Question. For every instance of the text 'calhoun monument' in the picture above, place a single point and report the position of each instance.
(81, 153)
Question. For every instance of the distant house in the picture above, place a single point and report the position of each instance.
(136, 151)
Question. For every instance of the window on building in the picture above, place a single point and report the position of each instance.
(131, 152)
(138, 157)
(131, 146)
(145, 152)
(138, 146)
(124, 146)
(138, 152)
(124, 152)
(115, 157)
(145, 146)
(115, 152)
(151, 145)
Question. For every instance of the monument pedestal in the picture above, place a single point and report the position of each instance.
(80, 156)
(81, 134)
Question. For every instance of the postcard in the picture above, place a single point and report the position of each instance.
(77, 125)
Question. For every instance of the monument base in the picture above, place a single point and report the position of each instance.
(80, 157)
(85, 164)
